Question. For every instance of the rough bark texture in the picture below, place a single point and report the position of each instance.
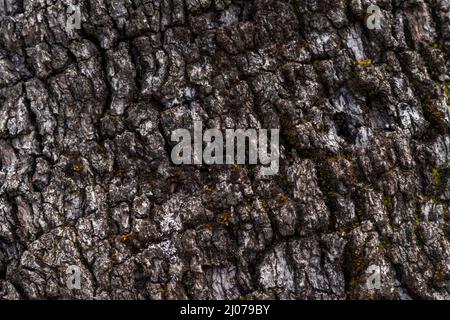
(86, 177)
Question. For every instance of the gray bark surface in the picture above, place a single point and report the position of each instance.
(86, 177)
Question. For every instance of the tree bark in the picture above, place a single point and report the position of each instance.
(86, 177)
